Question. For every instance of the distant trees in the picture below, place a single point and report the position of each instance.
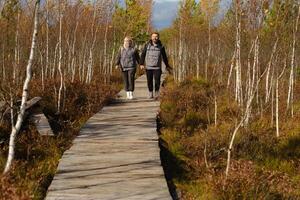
(209, 8)
(134, 19)
(69, 49)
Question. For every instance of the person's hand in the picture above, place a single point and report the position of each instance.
(117, 66)
(170, 70)
(142, 66)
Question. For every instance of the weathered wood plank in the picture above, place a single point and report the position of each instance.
(42, 124)
(34, 112)
(32, 102)
(116, 155)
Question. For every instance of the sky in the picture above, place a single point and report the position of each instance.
(165, 11)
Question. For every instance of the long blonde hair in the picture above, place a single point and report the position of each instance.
(130, 40)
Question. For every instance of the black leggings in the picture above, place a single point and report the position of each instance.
(128, 78)
(157, 74)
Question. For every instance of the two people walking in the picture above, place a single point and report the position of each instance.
(151, 59)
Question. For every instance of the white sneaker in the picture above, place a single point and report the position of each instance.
(130, 95)
(127, 95)
(156, 94)
(150, 95)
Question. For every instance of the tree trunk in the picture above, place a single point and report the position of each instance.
(180, 52)
(267, 97)
(231, 69)
(197, 62)
(238, 83)
(216, 109)
(16, 61)
(244, 117)
(16, 128)
(47, 38)
(208, 51)
(3, 64)
(105, 52)
(292, 73)
(60, 59)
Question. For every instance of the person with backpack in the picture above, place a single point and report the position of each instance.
(127, 60)
(151, 58)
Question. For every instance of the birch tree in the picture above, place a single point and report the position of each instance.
(210, 8)
(16, 128)
(59, 100)
(290, 99)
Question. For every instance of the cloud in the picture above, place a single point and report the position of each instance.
(164, 12)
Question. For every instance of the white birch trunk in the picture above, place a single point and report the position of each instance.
(216, 110)
(54, 61)
(47, 38)
(231, 69)
(16, 128)
(244, 117)
(208, 51)
(94, 37)
(290, 98)
(197, 62)
(42, 71)
(16, 50)
(60, 59)
(105, 51)
(180, 53)
(267, 97)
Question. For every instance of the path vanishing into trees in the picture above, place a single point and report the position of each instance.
(116, 155)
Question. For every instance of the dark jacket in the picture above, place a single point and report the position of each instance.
(152, 55)
(128, 58)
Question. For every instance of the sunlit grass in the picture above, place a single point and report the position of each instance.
(263, 166)
(37, 156)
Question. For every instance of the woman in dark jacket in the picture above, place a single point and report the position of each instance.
(128, 58)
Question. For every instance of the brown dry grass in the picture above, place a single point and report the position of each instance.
(37, 156)
(263, 166)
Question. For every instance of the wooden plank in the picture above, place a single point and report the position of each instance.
(116, 155)
(42, 124)
(39, 119)
(32, 102)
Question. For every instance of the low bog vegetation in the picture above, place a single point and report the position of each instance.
(37, 156)
(196, 137)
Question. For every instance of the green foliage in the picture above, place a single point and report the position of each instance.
(187, 8)
(191, 15)
(193, 120)
(197, 190)
(10, 9)
(131, 20)
(279, 19)
(174, 146)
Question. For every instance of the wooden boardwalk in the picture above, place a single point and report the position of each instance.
(116, 155)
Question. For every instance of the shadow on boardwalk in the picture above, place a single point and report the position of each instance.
(116, 155)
